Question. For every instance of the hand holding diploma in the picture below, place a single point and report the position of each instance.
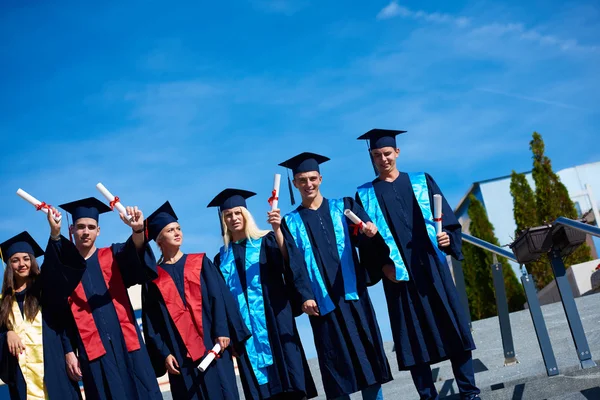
(212, 354)
(274, 219)
(39, 205)
(55, 224)
(114, 201)
(443, 238)
(368, 229)
(135, 220)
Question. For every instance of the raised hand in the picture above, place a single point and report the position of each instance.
(54, 226)
(274, 219)
(137, 218)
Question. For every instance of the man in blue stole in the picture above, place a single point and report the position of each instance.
(428, 322)
(320, 241)
(273, 365)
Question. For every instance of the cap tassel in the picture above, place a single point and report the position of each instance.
(2, 258)
(372, 160)
(221, 222)
(291, 189)
(70, 228)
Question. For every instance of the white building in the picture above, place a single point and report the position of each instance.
(495, 196)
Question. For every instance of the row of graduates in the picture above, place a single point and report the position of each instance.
(246, 300)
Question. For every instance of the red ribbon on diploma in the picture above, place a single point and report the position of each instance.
(273, 197)
(217, 355)
(114, 202)
(437, 219)
(42, 205)
(356, 228)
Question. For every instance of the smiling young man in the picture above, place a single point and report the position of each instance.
(428, 322)
(320, 242)
(113, 361)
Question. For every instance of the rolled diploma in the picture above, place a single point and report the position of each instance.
(35, 202)
(209, 358)
(437, 212)
(353, 217)
(111, 198)
(276, 184)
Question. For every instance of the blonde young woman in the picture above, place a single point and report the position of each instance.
(33, 347)
(273, 365)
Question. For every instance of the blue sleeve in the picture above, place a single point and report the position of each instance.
(153, 325)
(299, 280)
(273, 259)
(66, 340)
(9, 364)
(63, 268)
(136, 267)
(450, 223)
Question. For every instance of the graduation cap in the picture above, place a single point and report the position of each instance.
(378, 139)
(21, 243)
(85, 208)
(230, 198)
(160, 218)
(303, 162)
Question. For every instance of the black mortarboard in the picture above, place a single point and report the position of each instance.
(85, 208)
(230, 198)
(304, 162)
(379, 138)
(160, 218)
(21, 243)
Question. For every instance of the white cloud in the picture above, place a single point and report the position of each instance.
(517, 30)
(393, 10)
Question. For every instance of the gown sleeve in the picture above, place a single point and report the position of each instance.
(298, 275)
(137, 267)
(154, 329)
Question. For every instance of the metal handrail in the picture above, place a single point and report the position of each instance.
(489, 247)
(580, 226)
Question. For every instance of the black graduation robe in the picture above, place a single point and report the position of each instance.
(163, 338)
(347, 340)
(55, 344)
(118, 374)
(289, 371)
(428, 322)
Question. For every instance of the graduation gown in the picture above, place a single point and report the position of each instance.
(55, 345)
(347, 340)
(113, 371)
(428, 322)
(163, 338)
(289, 371)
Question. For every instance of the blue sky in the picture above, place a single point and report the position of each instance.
(178, 102)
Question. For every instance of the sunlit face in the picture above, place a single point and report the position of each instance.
(308, 184)
(234, 219)
(385, 159)
(21, 264)
(85, 231)
(171, 235)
